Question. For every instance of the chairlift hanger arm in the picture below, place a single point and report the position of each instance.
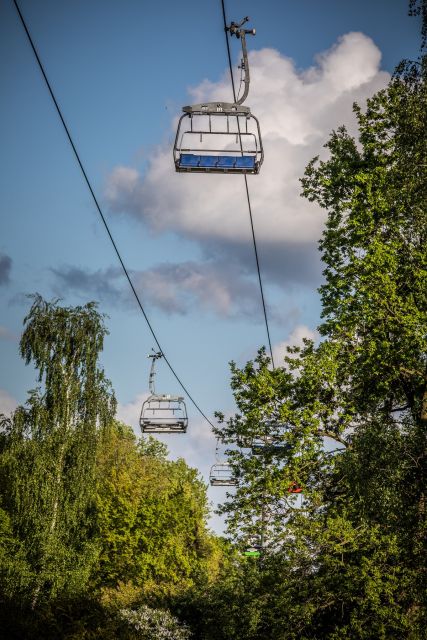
(235, 29)
(155, 356)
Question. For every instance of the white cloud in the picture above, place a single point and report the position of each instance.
(197, 446)
(129, 412)
(226, 289)
(7, 402)
(6, 334)
(295, 339)
(297, 110)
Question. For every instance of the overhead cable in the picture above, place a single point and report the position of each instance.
(77, 156)
(264, 308)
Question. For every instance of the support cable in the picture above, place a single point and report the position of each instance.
(76, 154)
(263, 523)
(264, 308)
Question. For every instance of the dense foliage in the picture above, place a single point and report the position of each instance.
(92, 521)
(346, 420)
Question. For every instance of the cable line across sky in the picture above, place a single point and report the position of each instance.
(98, 207)
(264, 308)
(105, 223)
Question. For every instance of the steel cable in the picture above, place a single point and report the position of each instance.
(70, 140)
(264, 308)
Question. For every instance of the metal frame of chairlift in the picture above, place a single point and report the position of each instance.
(221, 473)
(194, 159)
(162, 413)
(269, 444)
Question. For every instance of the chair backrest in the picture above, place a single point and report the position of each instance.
(164, 414)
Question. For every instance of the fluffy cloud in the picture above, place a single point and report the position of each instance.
(225, 289)
(297, 110)
(295, 339)
(5, 267)
(103, 284)
(6, 334)
(211, 286)
(7, 402)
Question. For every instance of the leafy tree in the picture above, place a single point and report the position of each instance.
(154, 624)
(355, 549)
(48, 456)
(152, 522)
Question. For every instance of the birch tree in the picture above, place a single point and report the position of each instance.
(49, 449)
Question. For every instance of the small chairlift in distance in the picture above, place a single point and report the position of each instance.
(221, 473)
(254, 548)
(272, 441)
(269, 444)
(162, 413)
(221, 137)
(294, 488)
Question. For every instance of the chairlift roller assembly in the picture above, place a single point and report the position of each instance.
(162, 413)
(220, 137)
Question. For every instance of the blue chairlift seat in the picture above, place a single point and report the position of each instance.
(208, 161)
(219, 164)
(245, 162)
(226, 162)
(189, 160)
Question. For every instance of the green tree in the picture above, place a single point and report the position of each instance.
(356, 546)
(154, 624)
(48, 456)
(152, 522)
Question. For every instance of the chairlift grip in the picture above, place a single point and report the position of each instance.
(240, 34)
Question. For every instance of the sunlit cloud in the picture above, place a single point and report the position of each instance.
(226, 290)
(295, 339)
(7, 402)
(297, 111)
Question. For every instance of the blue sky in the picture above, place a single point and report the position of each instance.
(121, 72)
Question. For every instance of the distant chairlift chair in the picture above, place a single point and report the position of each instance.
(221, 473)
(220, 137)
(269, 444)
(162, 413)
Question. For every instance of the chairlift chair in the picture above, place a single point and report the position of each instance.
(220, 137)
(253, 550)
(294, 488)
(162, 413)
(221, 475)
(269, 444)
